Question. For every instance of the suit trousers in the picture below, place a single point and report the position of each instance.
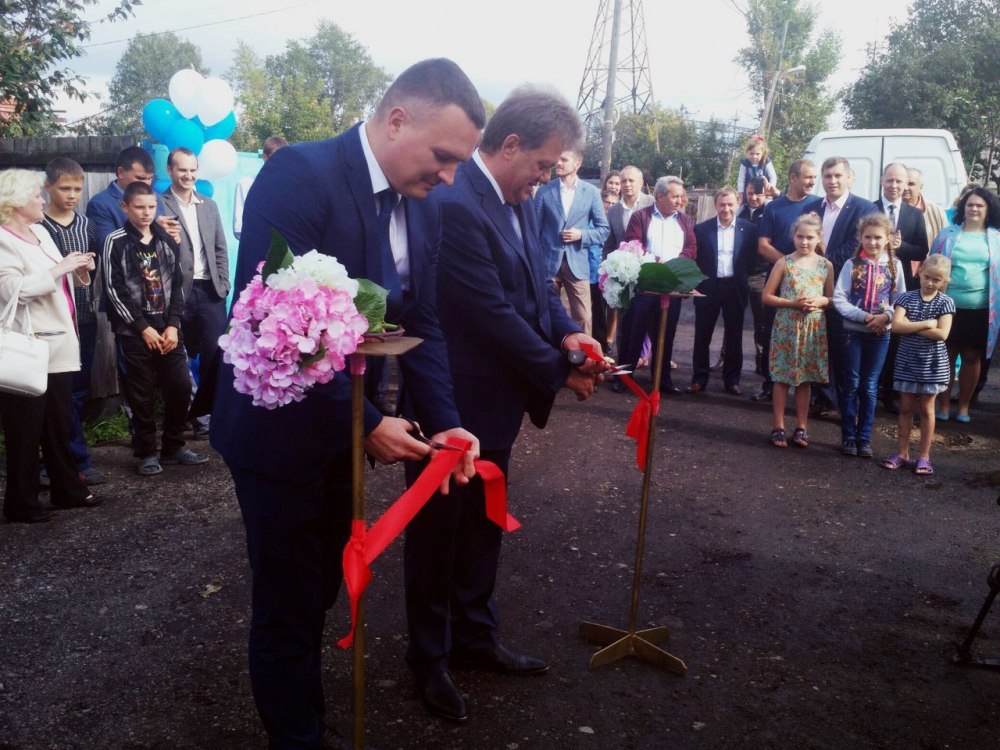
(598, 315)
(296, 532)
(450, 568)
(30, 422)
(204, 321)
(144, 371)
(577, 295)
(642, 319)
(722, 298)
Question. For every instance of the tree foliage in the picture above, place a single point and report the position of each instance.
(143, 72)
(316, 88)
(803, 104)
(37, 40)
(938, 69)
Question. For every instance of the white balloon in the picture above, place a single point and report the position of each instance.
(217, 159)
(215, 101)
(185, 91)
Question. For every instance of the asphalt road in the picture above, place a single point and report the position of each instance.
(814, 598)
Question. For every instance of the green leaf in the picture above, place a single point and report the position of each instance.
(677, 275)
(278, 256)
(314, 357)
(370, 301)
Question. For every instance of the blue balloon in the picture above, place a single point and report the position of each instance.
(186, 134)
(222, 129)
(161, 185)
(205, 188)
(159, 117)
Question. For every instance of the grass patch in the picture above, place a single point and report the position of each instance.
(106, 430)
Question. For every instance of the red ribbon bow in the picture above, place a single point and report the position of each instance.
(366, 544)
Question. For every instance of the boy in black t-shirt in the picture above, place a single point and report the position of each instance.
(145, 303)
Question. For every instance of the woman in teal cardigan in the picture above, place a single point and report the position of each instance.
(973, 244)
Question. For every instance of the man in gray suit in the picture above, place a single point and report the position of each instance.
(570, 219)
(204, 261)
(632, 199)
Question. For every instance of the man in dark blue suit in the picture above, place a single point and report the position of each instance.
(508, 343)
(292, 466)
(727, 250)
(840, 212)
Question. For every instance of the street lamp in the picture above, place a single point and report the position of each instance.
(765, 123)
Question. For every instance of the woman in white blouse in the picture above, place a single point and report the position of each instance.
(32, 268)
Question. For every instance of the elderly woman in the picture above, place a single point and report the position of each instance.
(973, 244)
(32, 269)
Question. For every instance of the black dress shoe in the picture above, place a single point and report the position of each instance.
(671, 390)
(87, 502)
(498, 659)
(440, 696)
(736, 389)
(42, 516)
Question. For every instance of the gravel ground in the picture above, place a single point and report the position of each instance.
(814, 598)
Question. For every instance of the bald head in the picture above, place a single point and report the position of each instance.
(631, 184)
(893, 181)
(914, 187)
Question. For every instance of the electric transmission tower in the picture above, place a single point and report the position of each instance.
(616, 78)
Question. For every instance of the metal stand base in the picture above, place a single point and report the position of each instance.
(964, 649)
(641, 644)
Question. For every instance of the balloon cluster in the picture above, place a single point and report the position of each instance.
(199, 116)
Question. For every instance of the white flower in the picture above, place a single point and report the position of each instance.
(324, 270)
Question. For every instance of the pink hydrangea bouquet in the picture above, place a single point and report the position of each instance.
(619, 273)
(295, 324)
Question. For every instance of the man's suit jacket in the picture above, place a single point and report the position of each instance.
(586, 213)
(617, 224)
(638, 226)
(844, 240)
(744, 255)
(213, 239)
(319, 196)
(503, 322)
(913, 232)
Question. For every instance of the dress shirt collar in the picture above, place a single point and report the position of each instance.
(656, 212)
(897, 203)
(195, 200)
(732, 225)
(478, 159)
(839, 203)
(379, 181)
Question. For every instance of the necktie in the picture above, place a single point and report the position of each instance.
(390, 278)
(515, 221)
(892, 214)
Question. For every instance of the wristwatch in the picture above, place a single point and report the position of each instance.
(576, 357)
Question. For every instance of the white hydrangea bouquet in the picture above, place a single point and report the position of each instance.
(619, 273)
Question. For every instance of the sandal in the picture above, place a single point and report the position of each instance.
(894, 462)
(778, 438)
(800, 438)
(923, 468)
(149, 466)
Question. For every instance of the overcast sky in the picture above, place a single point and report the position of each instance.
(691, 44)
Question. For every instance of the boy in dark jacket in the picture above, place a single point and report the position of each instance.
(145, 303)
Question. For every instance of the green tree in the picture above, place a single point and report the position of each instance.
(802, 105)
(143, 73)
(938, 70)
(38, 38)
(316, 88)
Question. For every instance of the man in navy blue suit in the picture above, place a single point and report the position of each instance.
(570, 220)
(840, 212)
(292, 466)
(509, 340)
(727, 250)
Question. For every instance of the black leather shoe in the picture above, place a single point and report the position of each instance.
(498, 659)
(440, 696)
(671, 390)
(87, 502)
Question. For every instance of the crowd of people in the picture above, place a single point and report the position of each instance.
(475, 228)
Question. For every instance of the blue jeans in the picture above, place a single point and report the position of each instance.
(864, 355)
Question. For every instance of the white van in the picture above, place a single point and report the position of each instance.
(933, 152)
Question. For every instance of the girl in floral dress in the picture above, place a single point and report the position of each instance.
(800, 286)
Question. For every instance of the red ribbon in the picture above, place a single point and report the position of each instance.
(366, 544)
(638, 423)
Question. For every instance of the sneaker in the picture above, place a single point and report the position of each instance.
(849, 448)
(864, 449)
(184, 457)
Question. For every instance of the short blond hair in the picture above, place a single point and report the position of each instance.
(939, 263)
(17, 187)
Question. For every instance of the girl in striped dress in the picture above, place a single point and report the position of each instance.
(923, 318)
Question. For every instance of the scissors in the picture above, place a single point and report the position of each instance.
(417, 434)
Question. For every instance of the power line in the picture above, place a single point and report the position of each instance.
(205, 25)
